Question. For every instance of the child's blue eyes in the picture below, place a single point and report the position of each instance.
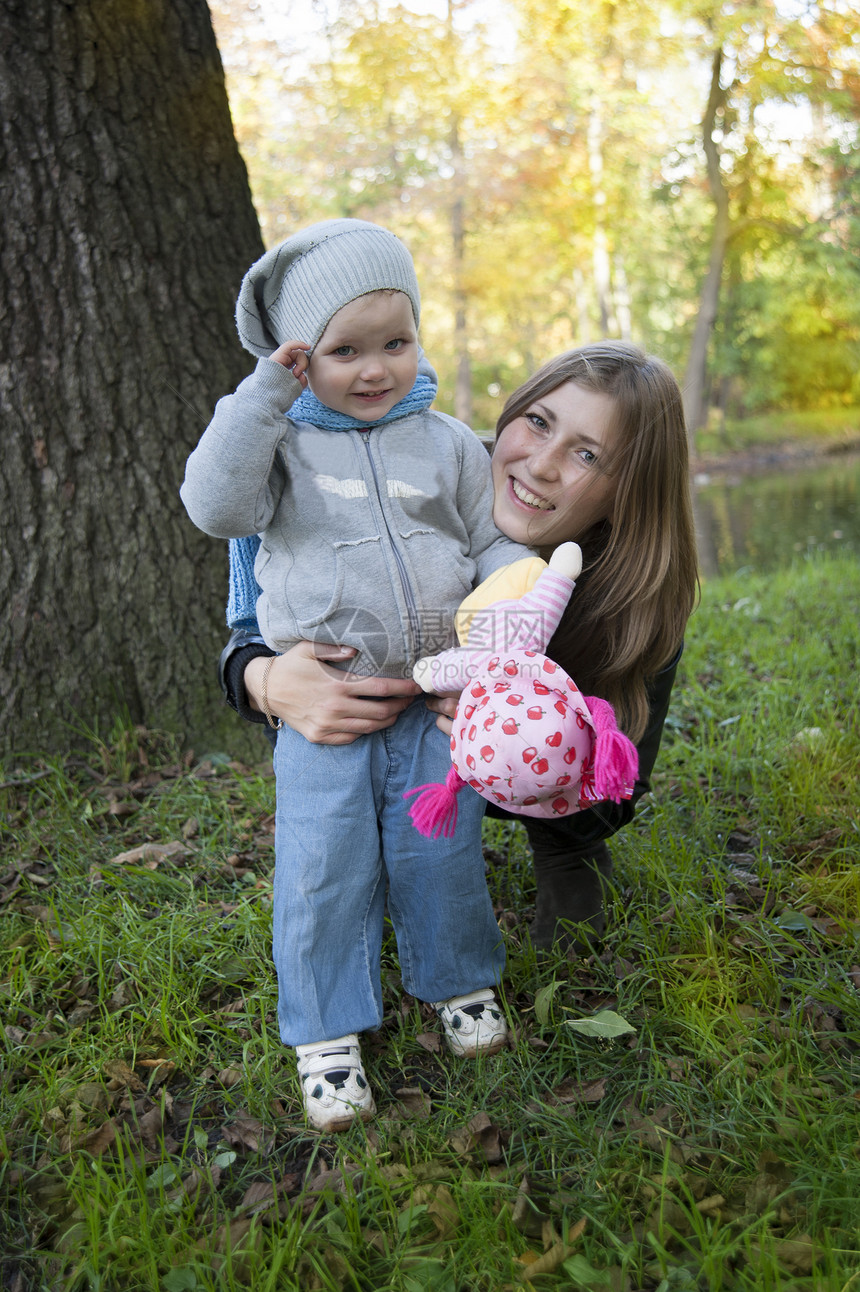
(346, 351)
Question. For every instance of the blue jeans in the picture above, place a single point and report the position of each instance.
(343, 836)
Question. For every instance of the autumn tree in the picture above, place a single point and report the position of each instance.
(766, 61)
(590, 80)
(580, 170)
(127, 224)
(388, 116)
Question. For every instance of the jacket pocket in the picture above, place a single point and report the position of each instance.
(319, 587)
(445, 574)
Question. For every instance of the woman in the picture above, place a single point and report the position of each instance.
(593, 449)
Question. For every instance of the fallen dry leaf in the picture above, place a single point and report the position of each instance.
(150, 855)
(231, 1238)
(487, 1135)
(57, 933)
(38, 1040)
(230, 1077)
(234, 1007)
(376, 1238)
(122, 807)
(197, 1184)
(657, 1132)
(151, 1126)
(667, 1218)
(161, 1069)
(248, 1134)
(441, 1207)
(796, 1254)
(581, 1092)
(556, 1256)
(121, 1076)
(97, 1141)
(428, 1171)
(335, 1179)
(82, 1011)
(527, 1215)
(7, 892)
(394, 1171)
(92, 1095)
(773, 1179)
(260, 1196)
(413, 1102)
(482, 1134)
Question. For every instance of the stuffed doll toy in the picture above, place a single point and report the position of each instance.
(523, 735)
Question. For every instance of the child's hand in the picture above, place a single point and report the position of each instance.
(294, 355)
(445, 706)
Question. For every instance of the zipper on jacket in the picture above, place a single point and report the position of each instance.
(408, 594)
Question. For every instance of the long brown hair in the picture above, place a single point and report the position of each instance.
(639, 583)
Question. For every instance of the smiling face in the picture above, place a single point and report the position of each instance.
(367, 358)
(550, 467)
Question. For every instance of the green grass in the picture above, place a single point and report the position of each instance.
(151, 1136)
(830, 429)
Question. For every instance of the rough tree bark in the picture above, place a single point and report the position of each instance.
(696, 375)
(127, 224)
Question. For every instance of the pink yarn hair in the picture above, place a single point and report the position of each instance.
(616, 762)
(614, 770)
(434, 813)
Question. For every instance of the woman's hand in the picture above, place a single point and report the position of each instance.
(445, 706)
(326, 705)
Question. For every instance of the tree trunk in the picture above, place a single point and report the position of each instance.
(695, 379)
(463, 384)
(623, 308)
(127, 224)
(463, 381)
(600, 245)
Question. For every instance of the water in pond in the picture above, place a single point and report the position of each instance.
(765, 521)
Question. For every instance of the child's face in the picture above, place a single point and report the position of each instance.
(548, 468)
(367, 358)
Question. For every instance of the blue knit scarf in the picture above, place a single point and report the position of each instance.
(244, 589)
(308, 408)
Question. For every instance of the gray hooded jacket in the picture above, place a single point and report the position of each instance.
(369, 538)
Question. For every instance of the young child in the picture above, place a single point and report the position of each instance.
(374, 517)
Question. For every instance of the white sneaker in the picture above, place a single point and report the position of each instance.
(334, 1085)
(474, 1024)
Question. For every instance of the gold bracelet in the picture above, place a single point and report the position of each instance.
(276, 726)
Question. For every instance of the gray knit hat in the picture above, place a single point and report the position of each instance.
(294, 289)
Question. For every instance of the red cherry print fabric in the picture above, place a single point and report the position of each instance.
(524, 739)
